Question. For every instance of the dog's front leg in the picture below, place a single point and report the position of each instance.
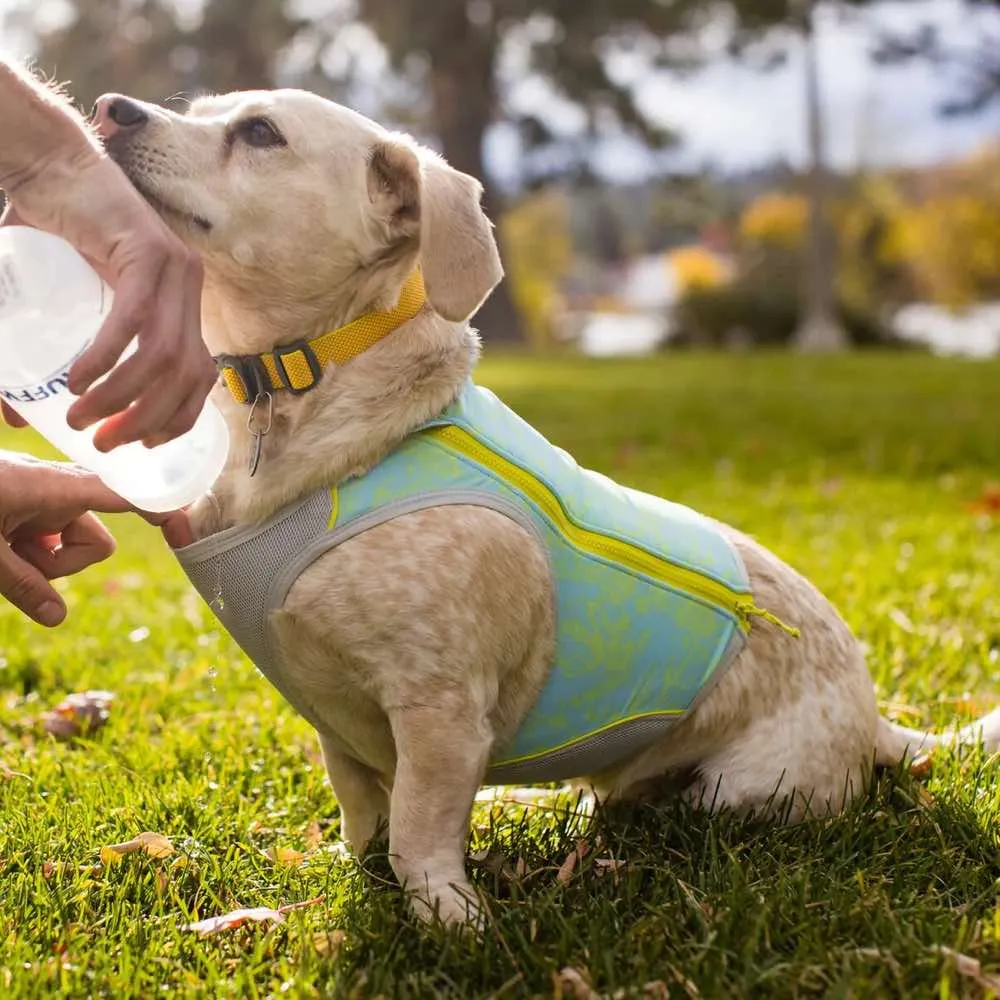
(442, 753)
(364, 804)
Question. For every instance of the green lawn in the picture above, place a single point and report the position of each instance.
(861, 471)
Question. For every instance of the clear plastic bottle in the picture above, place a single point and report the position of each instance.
(52, 304)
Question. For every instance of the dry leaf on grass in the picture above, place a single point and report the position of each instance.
(970, 968)
(329, 943)
(254, 914)
(610, 866)
(314, 836)
(78, 714)
(988, 502)
(922, 766)
(153, 844)
(567, 868)
(571, 984)
(59, 869)
(236, 918)
(880, 955)
(286, 856)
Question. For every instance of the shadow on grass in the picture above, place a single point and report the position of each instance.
(720, 906)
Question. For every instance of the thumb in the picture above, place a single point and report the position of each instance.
(26, 588)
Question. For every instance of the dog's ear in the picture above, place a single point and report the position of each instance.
(422, 195)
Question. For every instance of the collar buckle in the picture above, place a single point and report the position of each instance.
(304, 364)
(250, 371)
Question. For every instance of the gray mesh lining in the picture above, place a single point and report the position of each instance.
(233, 570)
(244, 574)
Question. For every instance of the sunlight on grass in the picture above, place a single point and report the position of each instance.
(863, 472)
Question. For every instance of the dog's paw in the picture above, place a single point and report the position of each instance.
(454, 905)
(340, 851)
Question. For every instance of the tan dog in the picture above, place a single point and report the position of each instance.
(419, 646)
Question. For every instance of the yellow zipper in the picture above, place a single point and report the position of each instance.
(740, 606)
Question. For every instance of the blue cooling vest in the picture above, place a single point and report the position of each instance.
(652, 602)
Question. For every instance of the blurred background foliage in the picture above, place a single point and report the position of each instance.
(699, 256)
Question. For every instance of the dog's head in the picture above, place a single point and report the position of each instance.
(294, 195)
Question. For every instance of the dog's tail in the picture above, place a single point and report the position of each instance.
(894, 743)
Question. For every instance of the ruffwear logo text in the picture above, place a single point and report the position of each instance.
(36, 393)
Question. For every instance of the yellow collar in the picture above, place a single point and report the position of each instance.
(298, 367)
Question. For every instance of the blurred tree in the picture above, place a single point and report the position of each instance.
(973, 59)
(156, 48)
(776, 218)
(450, 57)
(820, 328)
(536, 234)
(949, 236)
(696, 268)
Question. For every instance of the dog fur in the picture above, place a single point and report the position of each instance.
(422, 643)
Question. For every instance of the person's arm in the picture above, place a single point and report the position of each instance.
(42, 133)
(57, 177)
(47, 530)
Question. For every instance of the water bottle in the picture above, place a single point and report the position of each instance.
(52, 304)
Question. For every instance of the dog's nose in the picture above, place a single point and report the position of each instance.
(114, 113)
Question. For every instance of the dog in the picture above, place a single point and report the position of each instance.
(419, 646)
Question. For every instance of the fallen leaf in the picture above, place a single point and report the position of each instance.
(566, 869)
(286, 856)
(153, 844)
(970, 968)
(902, 620)
(612, 866)
(78, 714)
(656, 989)
(58, 869)
(255, 914)
(988, 502)
(570, 983)
(236, 918)
(922, 766)
(314, 836)
(879, 955)
(329, 943)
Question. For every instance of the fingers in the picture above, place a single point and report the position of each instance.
(177, 530)
(175, 525)
(171, 372)
(82, 543)
(51, 496)
(83, 491)
(10, 217)
(27, 589)
(154, 418)
(11, 417)
(132, 310)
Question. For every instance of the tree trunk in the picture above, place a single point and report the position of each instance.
(463, 96)
(819, 328)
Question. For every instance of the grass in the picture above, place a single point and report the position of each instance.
(860, 471)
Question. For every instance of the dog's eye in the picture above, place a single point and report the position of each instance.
(259, 133)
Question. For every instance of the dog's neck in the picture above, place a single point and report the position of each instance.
(346, 425)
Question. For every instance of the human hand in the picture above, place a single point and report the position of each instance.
(176, 527)
(156, 394)
(48, 530)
